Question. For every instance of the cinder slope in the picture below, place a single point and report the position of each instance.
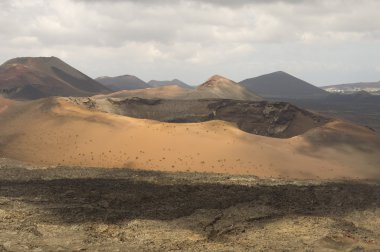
(124, 82)
(56, 131)
(32, 78)
(282, 85)
(215, 87)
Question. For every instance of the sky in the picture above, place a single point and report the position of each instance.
(320, 41)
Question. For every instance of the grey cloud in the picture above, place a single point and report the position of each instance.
(193, 38)
(215, 2)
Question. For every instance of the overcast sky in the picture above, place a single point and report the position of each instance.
(320, 41)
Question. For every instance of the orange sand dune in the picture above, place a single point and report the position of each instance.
(4, 104)
(55, 131)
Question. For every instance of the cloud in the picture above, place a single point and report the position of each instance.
(213, 2)
(24, 41)
(193, 39)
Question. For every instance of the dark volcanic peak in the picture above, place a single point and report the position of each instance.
(46, 76)
(282, 85)
(123, 82)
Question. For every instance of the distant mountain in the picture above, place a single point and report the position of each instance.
(155, 83)
(370, 87)
(215, 87)
(37, 77)
(282, 85)
(124, 82)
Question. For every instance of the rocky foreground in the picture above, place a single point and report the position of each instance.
(94, 209)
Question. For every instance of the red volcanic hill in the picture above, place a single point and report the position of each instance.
(37, 77)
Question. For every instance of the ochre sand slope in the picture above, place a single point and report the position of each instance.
(54, 131)
(4, 104)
